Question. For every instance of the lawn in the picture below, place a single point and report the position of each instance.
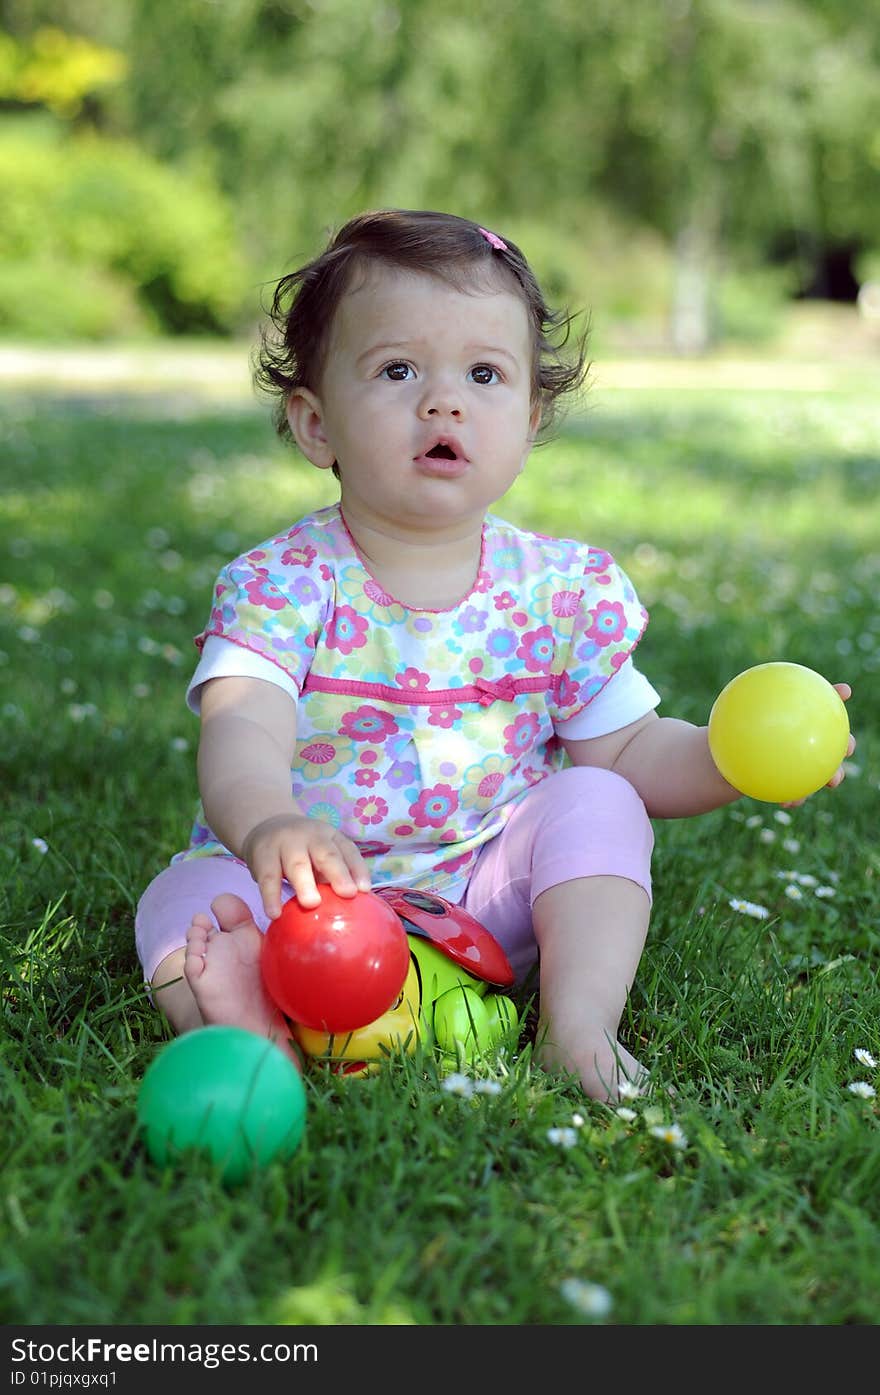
(743, 1190)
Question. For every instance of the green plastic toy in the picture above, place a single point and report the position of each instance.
(225, 1095)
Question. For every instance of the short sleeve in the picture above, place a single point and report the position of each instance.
(627, 697)
(222, 659)
(609, 622)
(272, 601)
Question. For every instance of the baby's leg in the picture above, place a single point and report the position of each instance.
(205, 968)
(172, 994)
(569, 877)
(591, 932)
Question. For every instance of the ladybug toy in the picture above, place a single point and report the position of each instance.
(449, 996)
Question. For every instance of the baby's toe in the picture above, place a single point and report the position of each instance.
(231, 911)
(200, 928)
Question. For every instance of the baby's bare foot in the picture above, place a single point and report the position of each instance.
(607, 1071)
(222, 968)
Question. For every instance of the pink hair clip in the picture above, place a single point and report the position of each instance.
(494, 240)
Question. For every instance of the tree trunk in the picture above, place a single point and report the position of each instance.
(691, 319)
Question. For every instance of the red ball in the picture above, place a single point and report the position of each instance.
(337, 966)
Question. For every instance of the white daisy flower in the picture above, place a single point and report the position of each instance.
(782, 816)
(862, 1089)
(794, 892)
(458, 1084)
(487, 1087)
(40, 844)
(671, 1134)
(629, 1090)
(865, 1058)
(563, 1138)
(749, 908)
(627, 1115)
(592, 1300)
(824, 892)
(578, 1121)
(79, 711)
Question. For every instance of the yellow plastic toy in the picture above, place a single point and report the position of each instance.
(778, 732)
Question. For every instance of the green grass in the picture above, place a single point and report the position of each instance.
(750, 523)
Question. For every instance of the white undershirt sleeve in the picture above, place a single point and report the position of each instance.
(221, 658)
(625, 697)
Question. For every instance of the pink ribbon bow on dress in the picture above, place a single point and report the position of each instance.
(490, 691)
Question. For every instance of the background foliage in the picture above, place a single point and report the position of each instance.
(651, 156)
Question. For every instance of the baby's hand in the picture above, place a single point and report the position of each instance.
(304, 851)
(840, 773)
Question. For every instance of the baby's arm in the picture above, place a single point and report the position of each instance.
(247, 741)
(666, 760)
(669, 763)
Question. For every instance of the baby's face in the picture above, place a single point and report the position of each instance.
(424, 401)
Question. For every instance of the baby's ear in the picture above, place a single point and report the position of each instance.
(305, 417)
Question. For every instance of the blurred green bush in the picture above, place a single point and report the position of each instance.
(595, 259)
(751, 303)
(98, 239)
(868, 265)
(618, 276)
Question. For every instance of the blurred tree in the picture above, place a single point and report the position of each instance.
(313, 110)
(749, 127)
(720, 122)
(842, 149)
(185, 56)
(56, 70)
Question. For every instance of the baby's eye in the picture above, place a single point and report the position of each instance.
(396, 372)
(484, 374)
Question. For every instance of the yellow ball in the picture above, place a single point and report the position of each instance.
(778, 732)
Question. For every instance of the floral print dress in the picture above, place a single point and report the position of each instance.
(418, 731)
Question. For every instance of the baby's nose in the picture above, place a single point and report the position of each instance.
(441, 400)
(441, 395)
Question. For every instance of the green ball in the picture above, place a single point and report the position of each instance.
(226, 1094)
(461, 1023)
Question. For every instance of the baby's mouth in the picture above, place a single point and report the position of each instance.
(445, 449)
(443, 460)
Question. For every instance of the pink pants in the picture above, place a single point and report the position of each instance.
(579, 822)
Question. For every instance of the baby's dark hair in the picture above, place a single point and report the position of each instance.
(293, 343)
